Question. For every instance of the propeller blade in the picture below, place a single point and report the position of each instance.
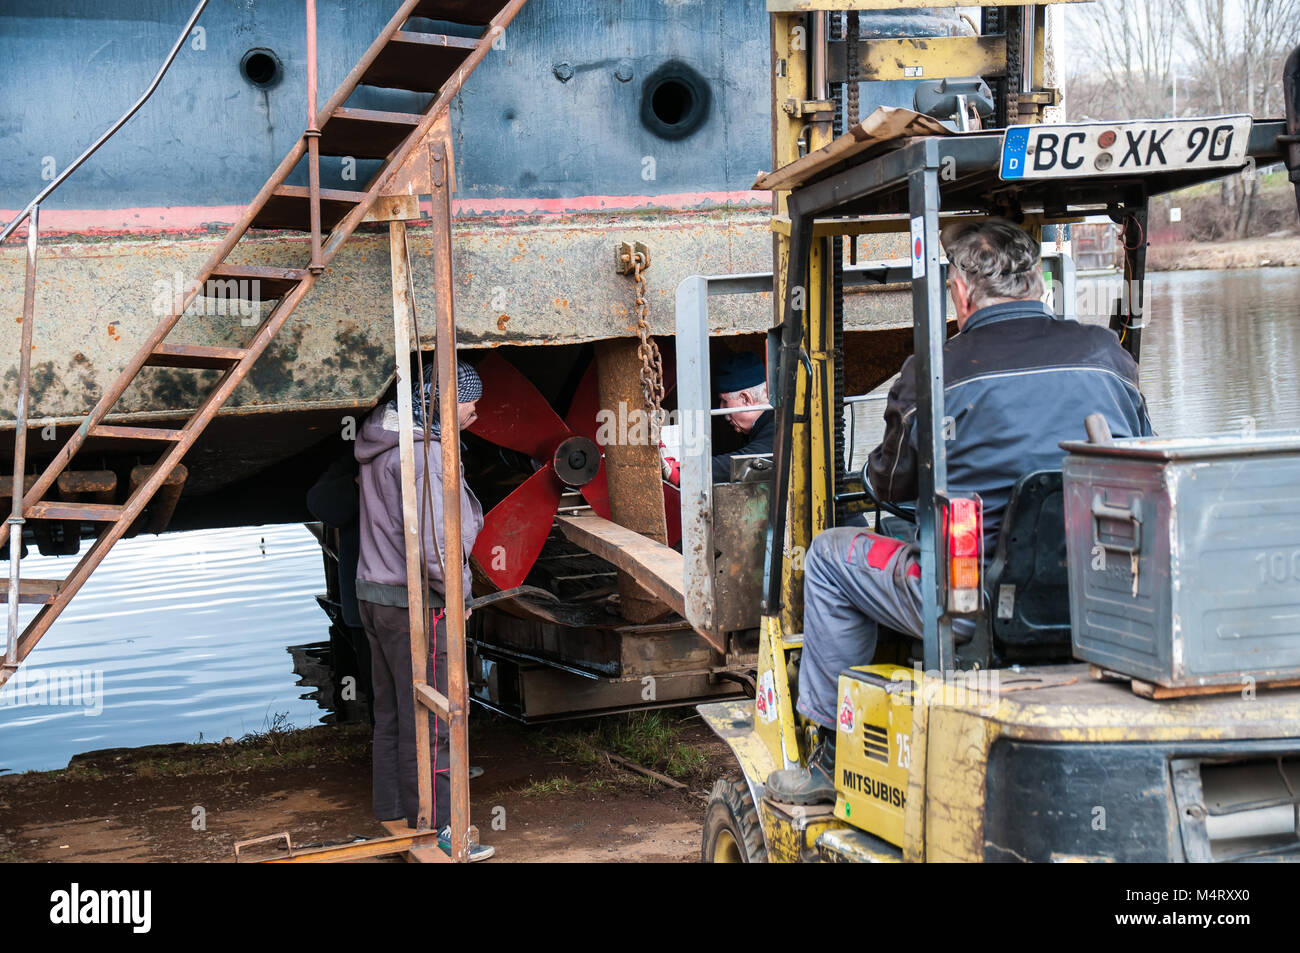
(516, 529)
(513, 413)
(581, 418)
(596, 493)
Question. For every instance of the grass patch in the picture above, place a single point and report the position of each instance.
(651, 739)
(278, 744)
(562, 786)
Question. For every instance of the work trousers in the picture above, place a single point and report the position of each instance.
(396, 788)
(852, 580)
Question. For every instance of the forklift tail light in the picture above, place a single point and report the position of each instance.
(965, 539)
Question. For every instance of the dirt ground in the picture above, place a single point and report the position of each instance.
(557, 796)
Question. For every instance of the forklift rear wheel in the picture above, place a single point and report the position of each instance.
(733, 833)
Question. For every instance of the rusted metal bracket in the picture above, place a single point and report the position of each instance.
(625, 255)
(808, 108)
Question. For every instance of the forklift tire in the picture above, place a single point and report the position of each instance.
(733, 833)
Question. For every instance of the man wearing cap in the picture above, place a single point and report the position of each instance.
(741, 382)
(381, 595)
(1017, 382)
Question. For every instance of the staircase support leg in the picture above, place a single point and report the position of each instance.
(313, 143)
(445, 343)
(403, 311)
(20, 438)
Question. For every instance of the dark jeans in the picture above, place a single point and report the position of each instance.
(396, 790)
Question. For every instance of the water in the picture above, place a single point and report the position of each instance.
(181, 637)
(1219, 353)
(1220, 349)
(191, 633)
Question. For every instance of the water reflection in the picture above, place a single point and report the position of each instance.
(191, 635)
(1220, 349)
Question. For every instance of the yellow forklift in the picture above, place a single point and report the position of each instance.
(1179, 741)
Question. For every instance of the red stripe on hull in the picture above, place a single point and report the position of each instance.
(165, 219)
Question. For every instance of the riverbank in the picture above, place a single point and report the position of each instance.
(557, 793)
(1279, 252)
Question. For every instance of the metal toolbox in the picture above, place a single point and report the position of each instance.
(1184, 557)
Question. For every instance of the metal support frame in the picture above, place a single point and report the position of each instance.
(453, 707)
(403, 313)
(1135, 269)
(20, 438)
(312, 135)
(457, 711)
(929, 314)
(694, 393)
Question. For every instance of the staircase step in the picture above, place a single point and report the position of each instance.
(365, 133)
(135, 433)
(61, 510)
(195, 355)
(476, 12)
(421, 62)
(289, 207)
(251, 282)
(32, 592)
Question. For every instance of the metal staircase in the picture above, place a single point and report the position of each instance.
(398, 59)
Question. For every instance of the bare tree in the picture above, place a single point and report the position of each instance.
(1133, 53)
(1238, 47)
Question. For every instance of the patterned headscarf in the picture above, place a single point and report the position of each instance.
(468, 388)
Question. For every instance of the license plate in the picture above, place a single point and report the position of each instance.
(1124, 148)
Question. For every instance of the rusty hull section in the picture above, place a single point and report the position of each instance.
(540, 281)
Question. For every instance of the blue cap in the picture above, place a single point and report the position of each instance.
(739, 371)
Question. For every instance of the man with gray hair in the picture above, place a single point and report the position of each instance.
(741, 383)
(1017, 382)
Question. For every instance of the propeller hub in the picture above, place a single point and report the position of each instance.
(577, 460)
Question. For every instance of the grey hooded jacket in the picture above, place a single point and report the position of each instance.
(381, 569)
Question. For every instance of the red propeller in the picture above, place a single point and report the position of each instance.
(512, 413)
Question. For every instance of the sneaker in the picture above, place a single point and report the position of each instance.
(477, 851)
(814, 784)
(475, 772)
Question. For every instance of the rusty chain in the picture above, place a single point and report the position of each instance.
(652, 367)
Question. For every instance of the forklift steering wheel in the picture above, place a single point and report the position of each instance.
(890, 508)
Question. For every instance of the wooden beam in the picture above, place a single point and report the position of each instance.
(658, 568)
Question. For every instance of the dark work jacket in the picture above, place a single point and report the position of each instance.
(1017, 382)
(761, 440)
(335, 500)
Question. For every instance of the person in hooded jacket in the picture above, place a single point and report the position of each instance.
(381, 595)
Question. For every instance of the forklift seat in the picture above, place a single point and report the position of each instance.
(1027, 592)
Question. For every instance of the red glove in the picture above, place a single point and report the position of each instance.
(672, 471)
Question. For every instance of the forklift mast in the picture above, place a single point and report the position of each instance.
(819, 57)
